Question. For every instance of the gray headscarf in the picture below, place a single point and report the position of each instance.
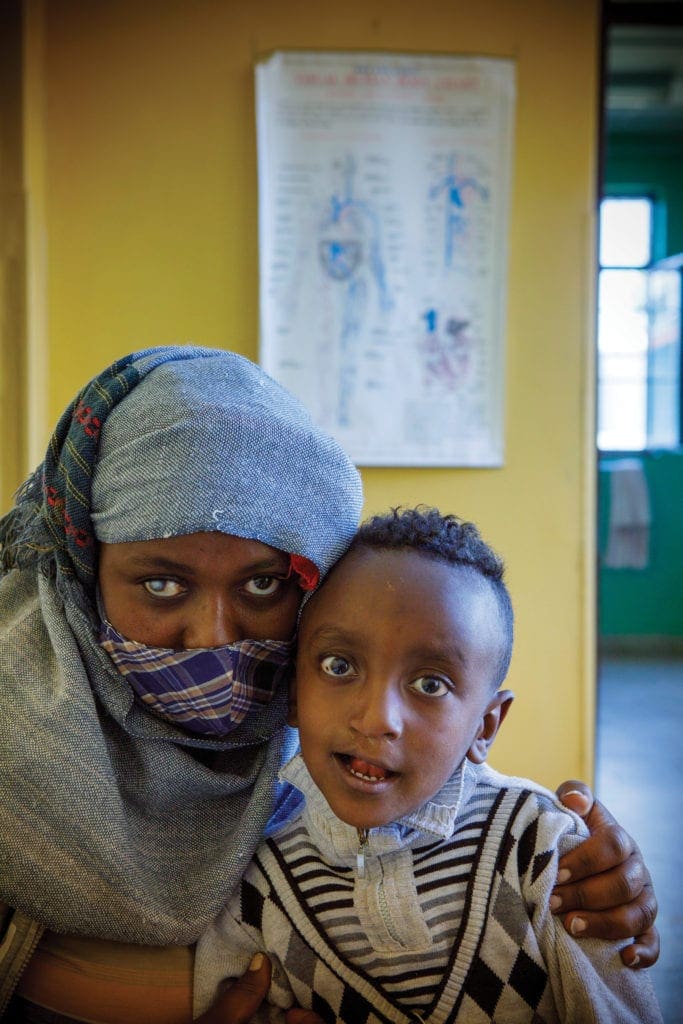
(113, 822)
(215, 444)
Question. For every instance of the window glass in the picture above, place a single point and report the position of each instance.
(664, 358)
(622, 311)
(625, 232)
(639, 333)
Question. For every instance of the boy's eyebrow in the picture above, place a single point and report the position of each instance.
(332, 634)
(442, 651)
(446, 652)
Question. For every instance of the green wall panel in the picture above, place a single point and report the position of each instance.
(648, 602)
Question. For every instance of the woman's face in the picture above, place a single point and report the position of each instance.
(200, 590)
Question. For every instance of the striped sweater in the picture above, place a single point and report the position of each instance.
(442, 917)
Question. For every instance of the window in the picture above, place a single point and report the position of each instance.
(638, 333)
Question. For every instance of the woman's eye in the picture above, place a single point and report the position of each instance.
(430, 686)
(164, 588)
(263, 586)
(334, 665)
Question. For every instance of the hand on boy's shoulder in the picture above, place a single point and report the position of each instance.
(605, 888)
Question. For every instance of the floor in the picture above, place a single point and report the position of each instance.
(639, 777)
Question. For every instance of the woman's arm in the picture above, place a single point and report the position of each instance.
(608, 892)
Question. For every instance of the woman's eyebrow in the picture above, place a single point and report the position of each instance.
(161, 563)
(275, 563)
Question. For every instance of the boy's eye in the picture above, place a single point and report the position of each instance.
(164, 588)
(263, 586)
(430, 686)
(335, 665)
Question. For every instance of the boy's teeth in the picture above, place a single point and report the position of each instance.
(364, 770)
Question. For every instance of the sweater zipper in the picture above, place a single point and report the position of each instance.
(362, 849)
(383, 906)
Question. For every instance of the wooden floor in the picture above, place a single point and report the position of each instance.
(640, 778)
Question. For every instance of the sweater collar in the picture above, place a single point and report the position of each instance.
(434, 820)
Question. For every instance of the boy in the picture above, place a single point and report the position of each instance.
(415, 883)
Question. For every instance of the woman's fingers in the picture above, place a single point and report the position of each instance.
(576, 795)
(608, 846)
(644, 951)
(605, 890)
(238, 1003)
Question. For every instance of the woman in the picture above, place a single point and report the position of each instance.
(154, 568)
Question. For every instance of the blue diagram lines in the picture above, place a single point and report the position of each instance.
(350, 252)
(456, 192)
(445, 351)
(350, 236)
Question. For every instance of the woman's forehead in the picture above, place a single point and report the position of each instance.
(192, 551)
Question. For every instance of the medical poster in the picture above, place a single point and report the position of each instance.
(384, 185)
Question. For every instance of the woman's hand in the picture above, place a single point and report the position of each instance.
(238, 1003)
(604, 888)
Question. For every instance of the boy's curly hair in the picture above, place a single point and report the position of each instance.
(449, 539)
(428, 530)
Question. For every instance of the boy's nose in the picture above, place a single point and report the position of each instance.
(211, 624)
(378, 713)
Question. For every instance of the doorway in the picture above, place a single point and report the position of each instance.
(639, 763)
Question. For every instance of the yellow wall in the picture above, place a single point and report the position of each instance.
(12, 254)
(150, 171)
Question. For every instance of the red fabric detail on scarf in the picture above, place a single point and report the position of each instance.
(57, 504)
(91, 424)
(307, 571)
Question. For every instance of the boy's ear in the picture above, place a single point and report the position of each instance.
(292, 706)
(491, 721)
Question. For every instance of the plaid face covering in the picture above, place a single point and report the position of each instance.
(206, 690)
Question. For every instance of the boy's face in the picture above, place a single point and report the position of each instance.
(394, 681)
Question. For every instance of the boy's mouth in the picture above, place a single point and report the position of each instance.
(365, 770)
